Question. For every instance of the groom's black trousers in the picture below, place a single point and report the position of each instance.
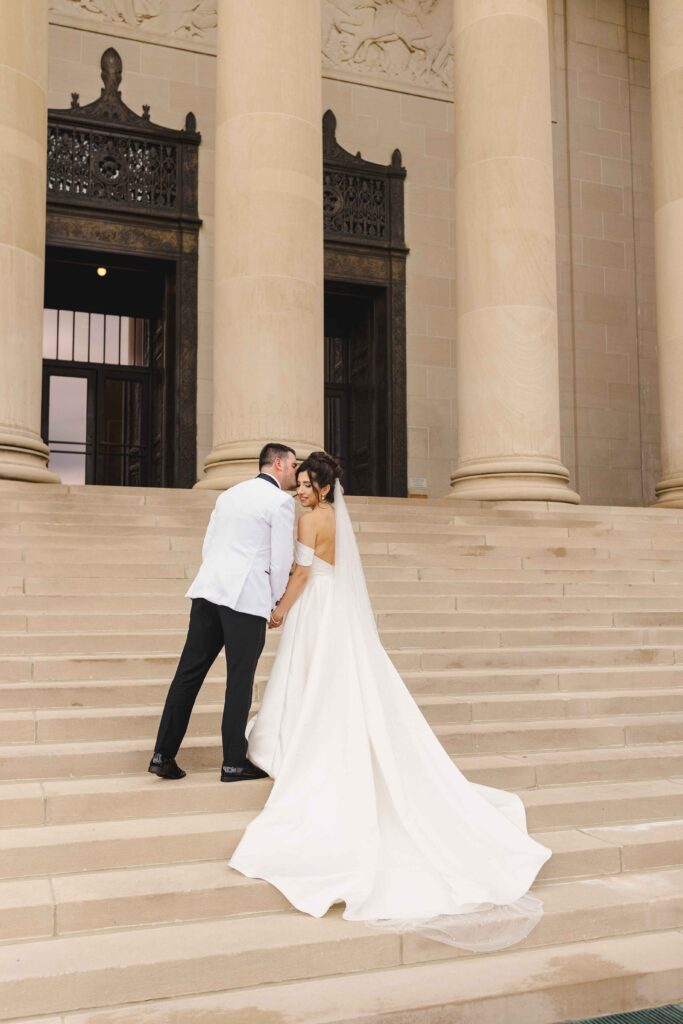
(213, 626)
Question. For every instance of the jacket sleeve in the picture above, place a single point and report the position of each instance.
(281, 548)
(208, 536)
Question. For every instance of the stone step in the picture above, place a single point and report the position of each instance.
(53, 849)
(68, 801)
(107, 758)
(67, 725)
(453, 548)
(518, 770)
(575, 910)
(484, 537)
(396, 580)
(85, 725)
(391, 613)
(528, 986)
(431, 638)
(56, 612)
(559, 734)
(639, 604)
(127, 666)
(30, 696)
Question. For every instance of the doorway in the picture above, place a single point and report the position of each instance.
(107, 321)
(356, 427)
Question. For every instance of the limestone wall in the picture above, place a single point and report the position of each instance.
(392, 91)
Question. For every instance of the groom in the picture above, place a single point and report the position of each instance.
(246, 559)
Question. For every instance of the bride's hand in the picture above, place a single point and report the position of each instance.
(275, 623)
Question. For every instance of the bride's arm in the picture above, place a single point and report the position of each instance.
(306, 534)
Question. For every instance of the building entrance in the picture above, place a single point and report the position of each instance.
(365, 326)
(104, 368)
(120, 334)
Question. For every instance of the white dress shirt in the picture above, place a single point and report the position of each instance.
(248, 548)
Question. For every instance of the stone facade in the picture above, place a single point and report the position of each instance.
(387, 73)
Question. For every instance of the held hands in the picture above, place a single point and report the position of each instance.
(275, 620)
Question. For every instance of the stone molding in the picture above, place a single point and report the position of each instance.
(403, 45)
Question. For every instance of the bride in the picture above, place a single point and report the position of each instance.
(367, 807)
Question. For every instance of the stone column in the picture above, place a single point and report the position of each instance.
(506, 293)
(268, 270)
(666, 45)
(23, 153)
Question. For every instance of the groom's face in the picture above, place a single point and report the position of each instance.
(288, 470)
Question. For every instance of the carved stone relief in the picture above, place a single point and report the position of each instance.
(190, 20)
(409, 41)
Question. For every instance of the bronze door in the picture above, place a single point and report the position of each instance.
(355, 402)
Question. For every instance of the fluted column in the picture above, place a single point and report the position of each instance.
(507, 341)
(666, 44)
(23, 150)
(268, 270)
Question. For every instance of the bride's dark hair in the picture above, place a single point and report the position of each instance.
(322, 469)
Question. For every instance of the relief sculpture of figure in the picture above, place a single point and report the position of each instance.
(409, 39)
(200, 19)
(128, 12)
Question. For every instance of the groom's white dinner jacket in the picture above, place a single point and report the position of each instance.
(248, 548)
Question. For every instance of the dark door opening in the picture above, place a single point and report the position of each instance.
(106, 399)
(356, 424)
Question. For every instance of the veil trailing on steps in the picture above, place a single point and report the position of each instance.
(419, 784)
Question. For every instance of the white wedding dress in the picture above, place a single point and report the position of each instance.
(367, 807)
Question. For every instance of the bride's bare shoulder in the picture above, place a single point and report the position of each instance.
(322, 518)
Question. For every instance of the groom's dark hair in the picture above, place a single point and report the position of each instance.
(272, 451)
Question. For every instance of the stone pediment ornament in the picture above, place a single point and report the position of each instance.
(362, 201)
(110, 106)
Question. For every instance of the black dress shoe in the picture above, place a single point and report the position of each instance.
(165, 767)
(245, 770)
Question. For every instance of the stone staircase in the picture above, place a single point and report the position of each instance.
(545, 646)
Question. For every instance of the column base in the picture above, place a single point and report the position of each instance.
(25, 458)
(669, 492)
(230, 464)
(516, 480)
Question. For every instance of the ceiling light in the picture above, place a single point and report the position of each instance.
(101, 271)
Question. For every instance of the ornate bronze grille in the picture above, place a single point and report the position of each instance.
(112, 168)
(104, 154)
(354, 205)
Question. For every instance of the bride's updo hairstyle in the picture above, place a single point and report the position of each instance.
(322, 469)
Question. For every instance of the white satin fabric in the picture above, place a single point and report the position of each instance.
(367, 808)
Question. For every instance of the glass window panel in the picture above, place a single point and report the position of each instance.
(49, 334)
(69, 466)
(68, 418)
(127, 341)
(111, 338)
(65, 334)
(81, 337)
(96, 338)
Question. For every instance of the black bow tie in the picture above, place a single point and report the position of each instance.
(270, 479)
